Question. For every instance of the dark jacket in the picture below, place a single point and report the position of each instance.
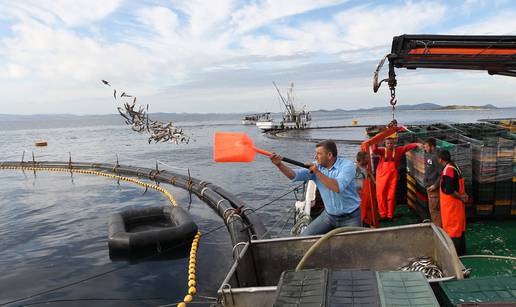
(450, 182)
(432, 169)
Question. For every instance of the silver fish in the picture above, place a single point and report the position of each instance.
(138, 118)
(425, 265)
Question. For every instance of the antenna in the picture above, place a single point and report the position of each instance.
(285, 101)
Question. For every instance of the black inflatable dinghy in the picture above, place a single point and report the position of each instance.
(150, 228)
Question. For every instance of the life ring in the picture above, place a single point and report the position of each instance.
(150, 228)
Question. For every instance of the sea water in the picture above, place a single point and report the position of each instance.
(53, 226)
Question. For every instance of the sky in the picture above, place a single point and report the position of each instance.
(222, 56)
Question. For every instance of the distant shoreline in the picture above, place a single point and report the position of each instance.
(215, 116)
(457, 109)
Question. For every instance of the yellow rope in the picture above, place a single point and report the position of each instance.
(191, 272)
(92, 172)
(193, 251)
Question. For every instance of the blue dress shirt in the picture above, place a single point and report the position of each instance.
(344, 202)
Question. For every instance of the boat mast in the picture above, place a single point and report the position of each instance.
(286, 102)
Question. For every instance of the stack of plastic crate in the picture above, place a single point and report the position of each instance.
(490, 149)
(416, 191)
(513, 207)
(512, 136)
(446, 139)
(503, 185)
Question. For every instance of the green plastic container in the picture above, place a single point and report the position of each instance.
(405, 289)
(443, 145)
(352, 288)
(302, 288)
(478, 290)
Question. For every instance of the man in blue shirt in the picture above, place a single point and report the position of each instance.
(334, 177)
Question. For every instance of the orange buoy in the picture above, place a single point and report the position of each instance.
(41, 143)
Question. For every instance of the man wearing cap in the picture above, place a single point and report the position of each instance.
(387, 174)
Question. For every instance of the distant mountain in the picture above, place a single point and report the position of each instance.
(115, 118)
(459, 107)
(419, 106)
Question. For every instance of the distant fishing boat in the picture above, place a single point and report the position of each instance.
(267, 123)
(251, 119)
(292, 118)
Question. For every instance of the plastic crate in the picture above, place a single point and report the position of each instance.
(352, 288)
(302, 288)
(405, 289)
(417, 198)
(503, 199)
(477, 290)
(513, 207)
(484, 193)
(443, 145)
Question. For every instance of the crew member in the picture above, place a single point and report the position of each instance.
(363, 182)
(387, 174)
(431, 180)
(452, 199)
(334, 177)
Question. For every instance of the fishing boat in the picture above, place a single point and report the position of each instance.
(268, 123)
(292, 118)
(251, 119)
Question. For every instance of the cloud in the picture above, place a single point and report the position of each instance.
(503, 23)
(51, 12)
(369, 26)
(256, 15)
(61, 54)
(206, 17)
(161, 19)
(199, 55)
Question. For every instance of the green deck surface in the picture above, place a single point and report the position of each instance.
(483, 237)
(475, 290)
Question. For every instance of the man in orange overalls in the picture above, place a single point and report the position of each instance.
(387, 174)
(452, 198)
(363, 183)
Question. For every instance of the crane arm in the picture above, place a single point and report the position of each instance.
(495, 54)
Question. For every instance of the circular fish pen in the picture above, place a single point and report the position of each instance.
(241, 222)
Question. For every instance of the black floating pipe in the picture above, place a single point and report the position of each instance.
(242, 222)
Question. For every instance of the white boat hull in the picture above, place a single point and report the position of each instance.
(268, 125)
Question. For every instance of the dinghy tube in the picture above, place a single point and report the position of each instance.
(150, 228)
